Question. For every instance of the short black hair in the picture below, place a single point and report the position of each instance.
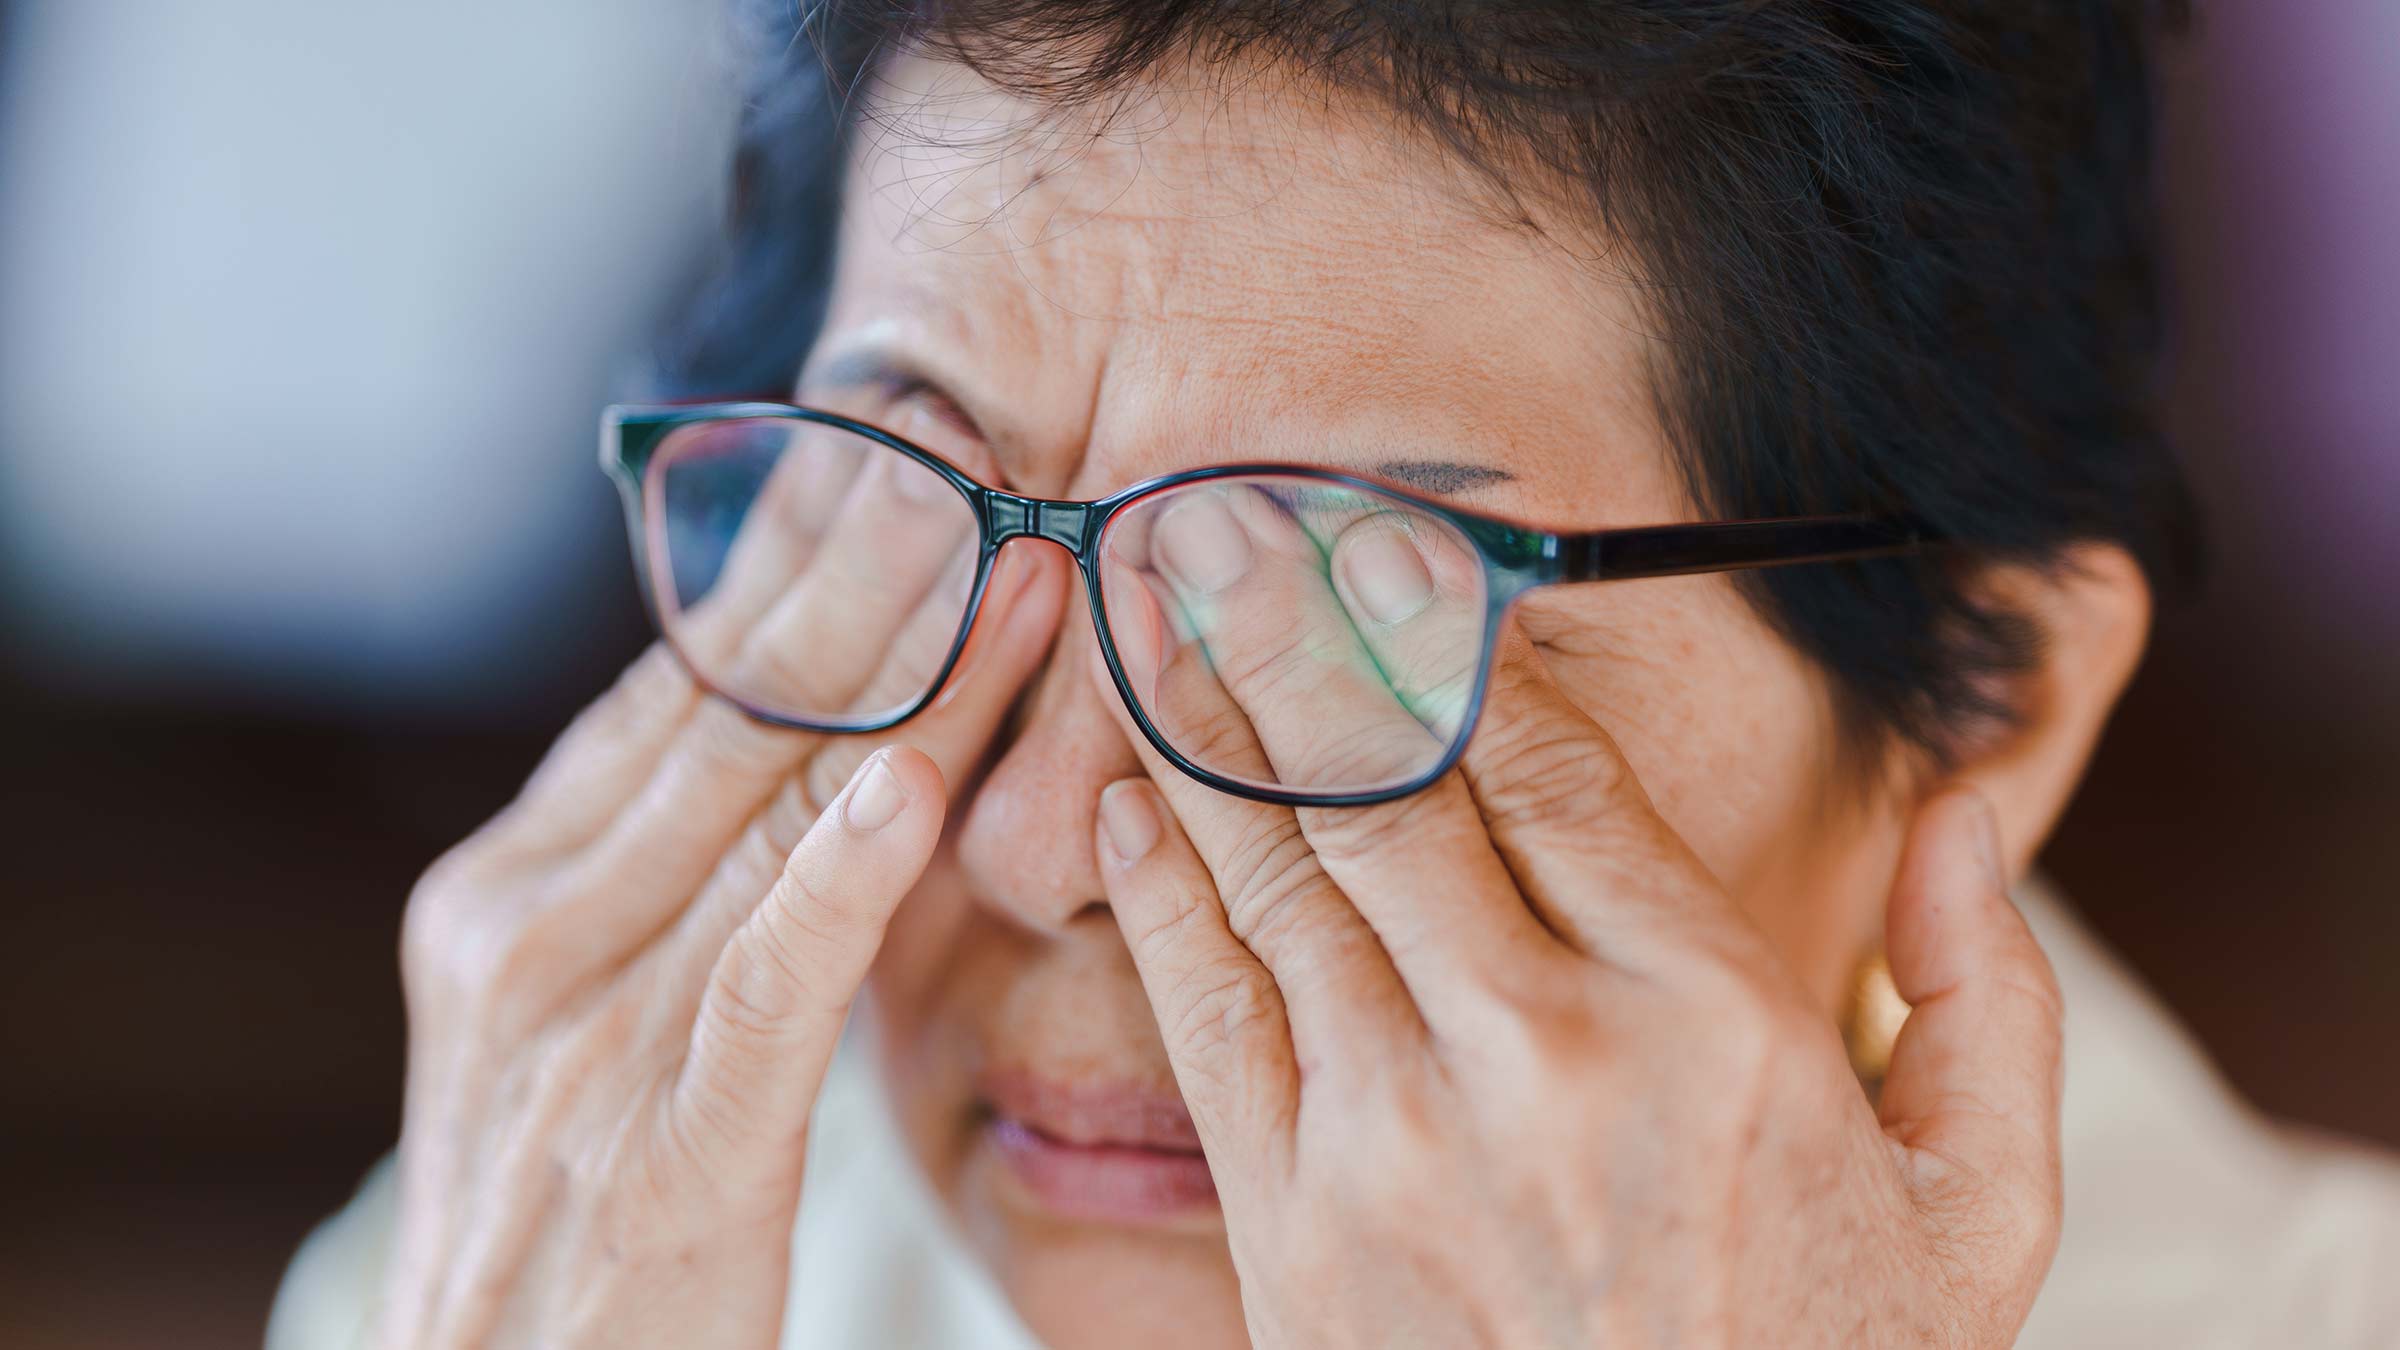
(1899, 253)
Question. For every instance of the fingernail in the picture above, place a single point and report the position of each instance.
(1385, 572)
(1201, 544)
(1987, 843)
(1129, 819)
(875, 797)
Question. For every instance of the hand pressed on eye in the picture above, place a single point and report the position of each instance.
(1329, 650)
(1501, 1062)
(840, 610)
(623, 992)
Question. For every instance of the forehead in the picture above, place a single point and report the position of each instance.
(1222, 267)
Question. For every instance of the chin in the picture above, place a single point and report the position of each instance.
(1084, 1287)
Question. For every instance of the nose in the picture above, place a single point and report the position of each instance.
(1026, 842)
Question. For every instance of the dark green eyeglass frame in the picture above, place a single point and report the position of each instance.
(1516, 558)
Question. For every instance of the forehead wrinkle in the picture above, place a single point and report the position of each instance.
(1177, 149)
(1228, 282)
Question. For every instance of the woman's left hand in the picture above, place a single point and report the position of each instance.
(1500, 1063)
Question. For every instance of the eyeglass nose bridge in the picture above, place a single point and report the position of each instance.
(1066, 524)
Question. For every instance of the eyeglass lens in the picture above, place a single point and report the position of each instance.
(805, 570)
(1280, 631)
(1294, 634)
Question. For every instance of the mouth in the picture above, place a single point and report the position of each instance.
(1106, 1152)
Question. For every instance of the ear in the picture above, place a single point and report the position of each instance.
(2092, 610)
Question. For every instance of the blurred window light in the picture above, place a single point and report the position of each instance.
(309, 309)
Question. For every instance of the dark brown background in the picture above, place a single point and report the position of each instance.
(202, 1025)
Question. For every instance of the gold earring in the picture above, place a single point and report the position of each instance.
(1871, 1019)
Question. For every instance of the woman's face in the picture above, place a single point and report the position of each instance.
(1271, 274)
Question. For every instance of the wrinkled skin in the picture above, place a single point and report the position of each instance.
(1544, 1055)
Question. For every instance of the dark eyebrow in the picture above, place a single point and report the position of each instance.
(1441, 477)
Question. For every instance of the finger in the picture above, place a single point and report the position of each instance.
(722, 807)
(1572, 822)
(1278, 592)
(1011, 639)
(903, 540)
(778, 994)
(1022, 607)
(845, 551)
(1974, 1077)
(1418, 870)
(604, 756)
(1251, 585)
(723, 765)
(1218, 1008)
(1414, 592)
(868, 580)
(1423, 867)
(807, 470)
(1336, 981)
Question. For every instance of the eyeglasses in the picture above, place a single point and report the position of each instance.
(1282, 633)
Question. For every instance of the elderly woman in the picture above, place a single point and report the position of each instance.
(1385, 642)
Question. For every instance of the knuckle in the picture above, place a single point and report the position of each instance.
(1543, 1030)
(1220, 735)
(1152, 944)
(811, 914)
(1365, 831)
(445, 928)
(724, 738)
(511, 964)
(1266, 849)
(430, 918)
(802, 936)
(1270, 869)
(756, 989)
(499, 952)
(1220, 1005)
(739, 1009)
(1557, 768)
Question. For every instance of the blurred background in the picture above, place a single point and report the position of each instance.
(306, 311)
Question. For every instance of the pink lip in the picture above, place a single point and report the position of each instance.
(1099, 1151)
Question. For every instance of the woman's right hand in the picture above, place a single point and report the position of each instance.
(623, 993)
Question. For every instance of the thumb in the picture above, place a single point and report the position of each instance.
(779, 992)
(1973, 1089)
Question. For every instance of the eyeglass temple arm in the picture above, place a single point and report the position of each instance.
(1677, 550)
